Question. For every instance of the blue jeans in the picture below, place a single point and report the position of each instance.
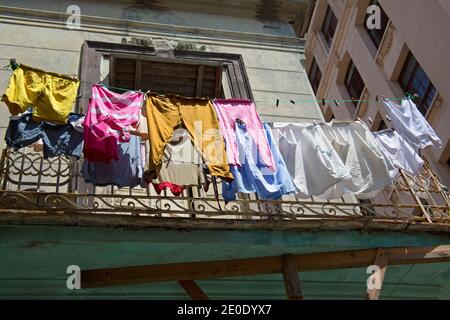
(58, 139)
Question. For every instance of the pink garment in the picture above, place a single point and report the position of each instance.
(109, 118)
(230, 110)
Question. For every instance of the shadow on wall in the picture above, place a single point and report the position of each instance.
(303, 62)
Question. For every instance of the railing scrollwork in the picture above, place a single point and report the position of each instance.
(31, 183)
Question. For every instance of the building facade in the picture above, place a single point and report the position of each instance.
(406, 54)
(251, 49)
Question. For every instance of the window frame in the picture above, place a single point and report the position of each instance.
(382, 125)
(313, 73)
(327, 24)
(347, 82)
(407, 88)
(93, 51)
(140, 60)
(377, 37)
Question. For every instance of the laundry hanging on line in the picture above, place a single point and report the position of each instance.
(253, 175)
(198, 118)
(109, 118)
(126, 171)
(328, 160)
(52, 95)
(411, 124)
(401, 154)
(57, 139)
(324, 160)
(182, 165)
(231, 110)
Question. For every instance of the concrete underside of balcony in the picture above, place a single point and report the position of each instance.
(36, 249)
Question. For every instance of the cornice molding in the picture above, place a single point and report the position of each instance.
(121, 27)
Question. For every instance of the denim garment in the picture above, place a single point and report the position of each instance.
(254, 175)
(58, 139)
(63, 139)
(127, 171)
(22, 130)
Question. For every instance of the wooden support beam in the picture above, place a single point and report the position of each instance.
(256, 266)
(193, 290)
(414, 195)
(290, 277)
(381, 261)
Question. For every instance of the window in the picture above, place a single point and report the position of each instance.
(354, 83)
(329, 115)
(198, 73)
(382, 126)
(413, 79)
(329, 26)
(376, 35)
(314, 75)
(193, 79)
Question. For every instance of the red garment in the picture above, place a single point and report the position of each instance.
(175, 188)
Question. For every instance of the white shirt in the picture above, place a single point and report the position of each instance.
(310, 158)
(411, 124)
(330, 160)
(399, 152)
(181, 162)
(369, 169)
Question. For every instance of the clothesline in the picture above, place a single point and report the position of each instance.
(108, 145)
(277, 101)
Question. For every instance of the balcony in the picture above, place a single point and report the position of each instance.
(52, 190)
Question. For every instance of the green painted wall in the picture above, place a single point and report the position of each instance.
(33, 262)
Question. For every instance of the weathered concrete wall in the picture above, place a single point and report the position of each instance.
(273, 56)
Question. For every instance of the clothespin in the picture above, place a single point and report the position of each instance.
(376, 98)
(323, 102)
(13, 63)
(336, 103)
(278, 102)
(292, 101)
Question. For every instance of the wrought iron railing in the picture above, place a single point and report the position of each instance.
(30, 182)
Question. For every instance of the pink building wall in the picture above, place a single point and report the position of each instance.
(422, 26)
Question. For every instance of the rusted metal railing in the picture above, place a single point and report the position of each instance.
(30, 182)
